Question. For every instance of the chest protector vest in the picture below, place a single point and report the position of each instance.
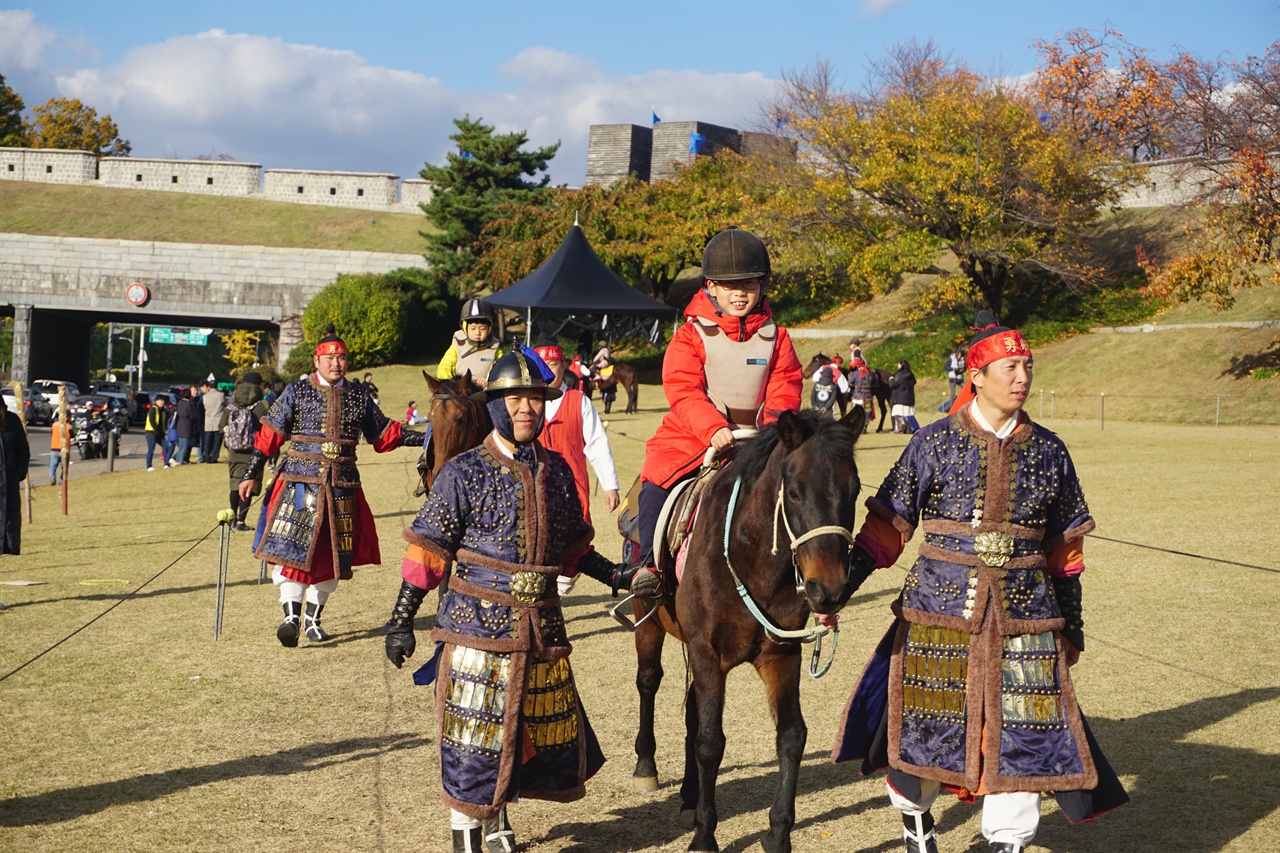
(477, 358)
(737, 373)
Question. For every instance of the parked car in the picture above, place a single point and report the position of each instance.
(49, 388)
(38, 409)
(92, 404)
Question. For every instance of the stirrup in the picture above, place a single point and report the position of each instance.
(618, 613)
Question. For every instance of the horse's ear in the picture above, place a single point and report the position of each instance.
(464, 382)
(791, 430)
(856, 420)
(432, 382)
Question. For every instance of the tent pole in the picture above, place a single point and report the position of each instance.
(528, 326)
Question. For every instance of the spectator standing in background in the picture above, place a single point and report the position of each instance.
(156, 429)
(372, 389)
(197, 413)
(215, 404)
(15, 456)
(187, 425)
(902, 399)
(955, 372)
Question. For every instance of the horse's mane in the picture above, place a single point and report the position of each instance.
(751, 459)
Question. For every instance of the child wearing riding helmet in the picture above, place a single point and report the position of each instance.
(728, 367)
(475, 347)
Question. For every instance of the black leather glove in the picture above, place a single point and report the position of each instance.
(860, 568)
(253, 468)
(1069, 595)
(613, 575)
(412, 438)
(400, 642)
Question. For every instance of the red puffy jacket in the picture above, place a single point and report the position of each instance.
(685, 433)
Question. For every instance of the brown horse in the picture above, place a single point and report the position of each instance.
(879, 387)
(624, 375)
(458, 423)
(788, 500)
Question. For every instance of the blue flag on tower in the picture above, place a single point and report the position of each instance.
(655, 118)
(695, 141)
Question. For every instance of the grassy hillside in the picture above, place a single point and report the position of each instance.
(56, 210)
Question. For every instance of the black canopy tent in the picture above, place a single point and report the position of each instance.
(574, 282)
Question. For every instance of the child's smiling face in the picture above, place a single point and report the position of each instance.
(736, 298)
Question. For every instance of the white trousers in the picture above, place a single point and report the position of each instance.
(1010, 818)
(293, 591)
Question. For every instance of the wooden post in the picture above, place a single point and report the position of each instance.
(64, 441)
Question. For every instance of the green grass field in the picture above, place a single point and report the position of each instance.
(108, 213)
(140, 733)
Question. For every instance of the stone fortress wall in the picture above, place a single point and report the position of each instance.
(361, 190)
(614, 151)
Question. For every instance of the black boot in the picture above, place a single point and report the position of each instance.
(499, 837)
(287, 633)
(918, 833)
(468, 840)
(311, 624)
(613, 575)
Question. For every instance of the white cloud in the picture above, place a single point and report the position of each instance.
(22, 40)
(287, 105)
(876, 8)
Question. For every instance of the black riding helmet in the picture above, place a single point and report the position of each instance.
(477, 310)
(733, 255)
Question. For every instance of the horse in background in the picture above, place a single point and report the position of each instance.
(879, 386)
(624, 375)
(458, 423)
(788, 499)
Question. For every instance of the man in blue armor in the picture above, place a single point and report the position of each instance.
(971, 690)
(507, 513)
(315, 523)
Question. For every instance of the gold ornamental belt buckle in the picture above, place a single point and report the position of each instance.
(527, 587)
(331, 449)
(994, 547)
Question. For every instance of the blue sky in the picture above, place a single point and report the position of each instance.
(372, 86)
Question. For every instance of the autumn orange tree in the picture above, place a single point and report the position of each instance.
(1108, 92)
(68, 123)
(1227, 129)
(937, 159)
(647, 233)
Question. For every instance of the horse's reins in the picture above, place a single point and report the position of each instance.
(804, 635)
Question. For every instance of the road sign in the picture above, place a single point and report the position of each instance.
(192, 337)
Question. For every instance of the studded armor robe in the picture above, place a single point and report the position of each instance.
(510, 720)
(315, 522)
(970, 687)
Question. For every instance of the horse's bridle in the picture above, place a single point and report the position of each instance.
(804, 635)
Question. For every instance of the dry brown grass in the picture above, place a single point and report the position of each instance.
(141, 733)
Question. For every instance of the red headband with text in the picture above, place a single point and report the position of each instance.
(1000, 345)
(331, 348)
(550, 352)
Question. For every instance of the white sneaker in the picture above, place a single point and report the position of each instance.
(150, 468)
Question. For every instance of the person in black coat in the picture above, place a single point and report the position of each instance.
(189, 424)
(902, 399)
(15, 456)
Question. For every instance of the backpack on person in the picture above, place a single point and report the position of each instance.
(239, 431)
